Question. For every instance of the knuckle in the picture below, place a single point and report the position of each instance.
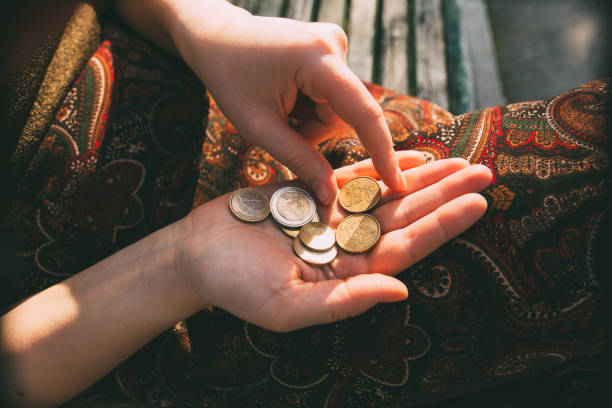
(409, 250)
(340, 37)
(406, 210)
(336, 34)
(328, 38)
(320, 43)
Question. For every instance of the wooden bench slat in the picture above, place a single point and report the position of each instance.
(270, 8)
(250, 5)
(361, 30)
(395, 31)
(431, 83)
(480, 57)
(461, 96)
(332, 11)
(439, 50)
(300, 9)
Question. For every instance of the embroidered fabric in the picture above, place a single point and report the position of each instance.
(137, 143)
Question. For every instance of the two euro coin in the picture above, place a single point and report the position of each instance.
(292, 207)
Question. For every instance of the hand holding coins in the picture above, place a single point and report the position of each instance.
(277, 282)
(295, 211)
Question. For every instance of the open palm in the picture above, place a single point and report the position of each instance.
(251, 271)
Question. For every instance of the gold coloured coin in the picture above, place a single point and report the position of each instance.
(293, 232)
(359, 194)
(317, 236)
(358, 233)
(314, 257)
(249, 205)
(375, 202)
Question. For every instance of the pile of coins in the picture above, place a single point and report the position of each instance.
(296, 213)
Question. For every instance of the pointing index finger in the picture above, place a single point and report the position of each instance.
(350, 99)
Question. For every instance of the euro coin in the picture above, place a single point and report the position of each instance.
(317, 236)
(359, 194)
(293, 232)
(375, 202)
(292, 207)
(314, 257)
(249, 205)
(358, 233)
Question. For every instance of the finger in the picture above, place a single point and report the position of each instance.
(399, 249)
(335, 33)
(399, 213)
(423, 176)
(324, 124)
(286, 145)
(350, 99)
(331, 300)
(406, 159)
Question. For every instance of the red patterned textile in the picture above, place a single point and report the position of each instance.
(137, 143)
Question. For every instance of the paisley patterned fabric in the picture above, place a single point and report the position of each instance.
(137, 143)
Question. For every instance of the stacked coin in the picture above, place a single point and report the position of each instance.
(359, 232)
(316, 243)
(293, 232)
(295, 210)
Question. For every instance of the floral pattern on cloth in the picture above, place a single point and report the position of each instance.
(138, 142)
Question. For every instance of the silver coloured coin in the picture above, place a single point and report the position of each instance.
(249, 205)
(314, 257)
(292, 207)
(293, 232)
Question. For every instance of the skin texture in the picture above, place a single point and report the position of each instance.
(60, 341)
(285, 293)
(85, 326)
(256, 67)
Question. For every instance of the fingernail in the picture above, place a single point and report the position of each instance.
(324, 194)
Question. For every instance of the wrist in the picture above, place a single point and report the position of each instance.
(166, 279)
(195, 26)
(189, 249)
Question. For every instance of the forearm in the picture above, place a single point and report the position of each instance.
(61, 340)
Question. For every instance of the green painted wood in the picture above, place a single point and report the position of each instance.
(459, 75)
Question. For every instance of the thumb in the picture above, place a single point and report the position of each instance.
(328, 301)
(295, 152)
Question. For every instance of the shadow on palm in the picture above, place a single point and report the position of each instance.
(253, 272)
